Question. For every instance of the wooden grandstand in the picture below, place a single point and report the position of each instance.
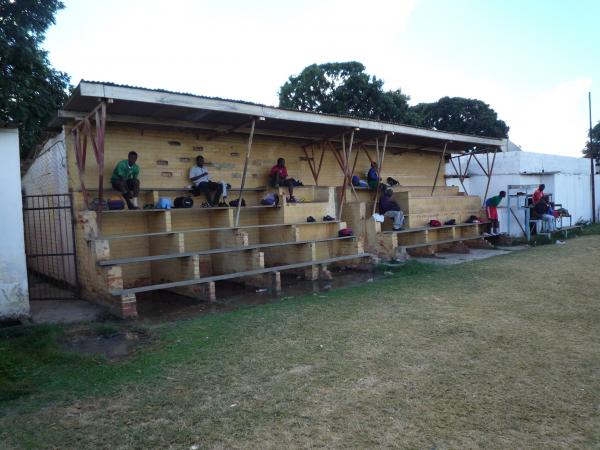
(187, 251)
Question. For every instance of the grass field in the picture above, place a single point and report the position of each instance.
(500, 353)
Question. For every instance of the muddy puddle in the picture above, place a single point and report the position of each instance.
(162, 305)
(112, 347)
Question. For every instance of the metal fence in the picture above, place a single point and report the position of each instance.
(50, 247)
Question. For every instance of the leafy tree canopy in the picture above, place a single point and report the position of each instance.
(461, 115)
(344, 89)
(592, 149)
(30, 89)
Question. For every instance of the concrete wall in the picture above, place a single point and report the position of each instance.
(48, 173)
(566, 178)
(14, 296)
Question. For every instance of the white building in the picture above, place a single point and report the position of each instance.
(566, 178)
(14, 296)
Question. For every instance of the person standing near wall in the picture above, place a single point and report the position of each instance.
(491, 209)
(125, 180)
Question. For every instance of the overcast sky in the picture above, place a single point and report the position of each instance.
(532, 61)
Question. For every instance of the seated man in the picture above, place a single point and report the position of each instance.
(491, 205)
(278, 176)
(389, 208)
(202, 183)
(125, 180)
(372, 176)
(538, 194)
(542, 210)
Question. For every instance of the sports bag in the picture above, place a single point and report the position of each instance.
(435, 223)
(164, 203)
(183, 202)
(344, 232)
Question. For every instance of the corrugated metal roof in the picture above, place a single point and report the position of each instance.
(133, 101)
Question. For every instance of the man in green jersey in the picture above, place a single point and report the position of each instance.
(125, 180)
(491, 205)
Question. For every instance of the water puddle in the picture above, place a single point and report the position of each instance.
(161, 305)
(112, 347)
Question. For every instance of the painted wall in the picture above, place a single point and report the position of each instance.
(48, 173)
(566, 178)
(14, 296)
(165, 158)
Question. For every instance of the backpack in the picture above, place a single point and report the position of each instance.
(164, 203)
(450, 222)
(392, 182)
(183, 202)
(96, 202)
(435, 223)
(270, 200)
(235, 202)
(115, 203)
(344, 232)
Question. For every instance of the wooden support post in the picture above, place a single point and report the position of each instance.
(310, 164)
(248, 150)
(379, 168)
(346, 157)
(437, 173)
(489, 177)
(459, 174)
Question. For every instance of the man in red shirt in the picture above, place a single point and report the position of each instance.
(279, 177)
(538, 194)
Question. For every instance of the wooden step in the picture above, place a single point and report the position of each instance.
(199, 230)
(138, 259)
(229, 276)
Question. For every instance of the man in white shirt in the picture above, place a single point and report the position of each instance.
(202, 184)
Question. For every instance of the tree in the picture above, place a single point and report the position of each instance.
(344, 89)
(30, 89)
(461, 115)
(592, 149)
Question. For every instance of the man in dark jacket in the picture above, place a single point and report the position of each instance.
(389, 208)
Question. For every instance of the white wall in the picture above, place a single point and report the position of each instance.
(14, 296)
(48, 173)
(566, 178)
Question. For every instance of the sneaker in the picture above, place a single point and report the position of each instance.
(205, 205)
(292, 199)
(559, 242)
(328, 218)
(398, 229)
(484, 234)
(310, 219)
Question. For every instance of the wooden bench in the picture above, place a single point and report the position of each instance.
(138, 259)
(200, 230)
(230, 276)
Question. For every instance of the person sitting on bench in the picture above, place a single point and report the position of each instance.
(203, 185)
(542, 210)
(491, 209)
(389, 208)
(538, 194)
(279, 177)
(372, 176)
(125, 180)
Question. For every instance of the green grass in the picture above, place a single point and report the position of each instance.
(500, 353)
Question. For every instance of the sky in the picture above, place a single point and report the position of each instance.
(532, 61)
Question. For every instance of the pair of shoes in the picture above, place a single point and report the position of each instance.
(205, 205)
(310, 219)
(328, 218)
(559, 242)
(222, 204)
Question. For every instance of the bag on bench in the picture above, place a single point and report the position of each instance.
(183, 202)
(344, 232)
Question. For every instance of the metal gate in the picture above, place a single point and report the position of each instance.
(50, 247)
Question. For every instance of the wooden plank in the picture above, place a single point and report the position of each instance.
(160, 257)
(230, 276)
